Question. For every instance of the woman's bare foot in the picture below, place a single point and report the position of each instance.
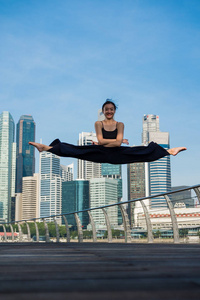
(175, 151)
(40, 147)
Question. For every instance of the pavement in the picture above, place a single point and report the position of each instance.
(99, 271)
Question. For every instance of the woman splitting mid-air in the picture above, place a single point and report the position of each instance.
(108, 149)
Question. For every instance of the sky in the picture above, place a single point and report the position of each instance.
(60, 60)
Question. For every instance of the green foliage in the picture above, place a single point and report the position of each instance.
(157, 234)
(87, 234)
(74, 234)
(183, 232)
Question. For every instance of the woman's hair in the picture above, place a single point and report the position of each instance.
(109, 101)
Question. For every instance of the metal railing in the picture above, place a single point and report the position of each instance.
(126, 222)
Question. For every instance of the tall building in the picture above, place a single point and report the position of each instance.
(7, 165)
(25, 153)
(87, 169)
(103, 191)
(30, 197)
(114, 172)
(75, 197)
(159, 171)
(67, 172)
(150, 124)
(136, 187)
(50, 185)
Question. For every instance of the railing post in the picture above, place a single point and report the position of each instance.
(127, 230)
(28, 230)
(197, 192)
(13, 239)
(37, 232)
(67, 229)
(108, 226)
(94, 234)
(79, 227)
(57, 230)
(174, 220)
(5, 235)
(148, 223)
(20, 232)
(46, 230)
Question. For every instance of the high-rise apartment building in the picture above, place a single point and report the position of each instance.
(75, 197)
(103, 191)
(25, 162)
(30, 197)
(50, 185)
(67, 172)
(88, 169)
(7, 165)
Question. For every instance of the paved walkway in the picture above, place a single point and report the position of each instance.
(99, 271)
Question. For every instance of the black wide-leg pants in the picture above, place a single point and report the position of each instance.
(111, 155)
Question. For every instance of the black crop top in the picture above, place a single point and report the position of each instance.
(112, 135)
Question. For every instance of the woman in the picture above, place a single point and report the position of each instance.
(108, 149)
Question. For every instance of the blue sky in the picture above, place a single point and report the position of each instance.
(60, 60)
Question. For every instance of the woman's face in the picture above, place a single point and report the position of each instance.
(109, 111)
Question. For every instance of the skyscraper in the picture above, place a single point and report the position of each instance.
(87, 169)
(136, 186)
(158, 172)
(114, 172)
(67, 172)
(150, 124)
(25, 162)
(50, 185)
(7, 164)
(75, 197)
(30, 197)
(103, 191)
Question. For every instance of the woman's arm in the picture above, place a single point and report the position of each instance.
(110, 142)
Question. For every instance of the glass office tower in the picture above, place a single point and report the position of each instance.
(7, 164)
(75, 196)
(25, 162)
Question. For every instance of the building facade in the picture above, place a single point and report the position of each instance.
(50, 185)
(7, 165)
(75, 197)
(25, 160)
(182, 197)
(158, 172)
(67, 172)
(30, 197)
(103, 191)
(136, 187)
(87, 169)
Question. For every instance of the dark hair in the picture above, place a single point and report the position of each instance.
(109, 101)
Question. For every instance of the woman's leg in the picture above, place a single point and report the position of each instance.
(175, 151)
(40, 147)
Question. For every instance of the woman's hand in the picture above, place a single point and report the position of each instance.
(125, 141)
(95, 143)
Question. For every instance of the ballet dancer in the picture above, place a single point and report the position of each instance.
(108, 149)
